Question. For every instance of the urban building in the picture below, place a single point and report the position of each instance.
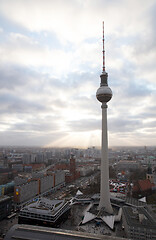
(26, 232)
(146, 160)
(59, 178)
(138, 223)
(6, 175)
(124, 165)
(7, 188)
(69, 168)
(40, 183)
(73, 174)
(61, 166)
(86, 169)
(35, 166)
(149, 174)
(5, 206)
(25, 192)
(142, 188)
(73, 166)
(154, 176)
(46, 183)
(44, 212)
(19, 180)
(18, 167)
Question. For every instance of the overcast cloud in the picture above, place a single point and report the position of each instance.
(50, 66)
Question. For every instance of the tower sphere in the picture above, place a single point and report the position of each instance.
(104, 94)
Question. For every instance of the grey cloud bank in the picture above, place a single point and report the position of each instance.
(50, 65)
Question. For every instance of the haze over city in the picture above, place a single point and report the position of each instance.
(50, 66)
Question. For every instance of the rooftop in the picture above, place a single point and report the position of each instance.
(145, 184)
(44, 206)
(4, 198)
(139, 217)
(26, 232)
(134, 202)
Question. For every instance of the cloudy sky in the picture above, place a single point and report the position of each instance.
(50, 66)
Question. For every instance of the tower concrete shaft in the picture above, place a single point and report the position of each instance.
(104, 191)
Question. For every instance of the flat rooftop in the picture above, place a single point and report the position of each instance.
(139, 217)
(4, 198)
(45, 206)
(25, 232)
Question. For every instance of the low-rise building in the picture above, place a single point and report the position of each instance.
(41, 233)
(138, 223)
(44, 212)
(142, 188)
(5, 206)
(124, 165)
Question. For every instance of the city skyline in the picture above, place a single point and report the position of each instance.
(50, 66)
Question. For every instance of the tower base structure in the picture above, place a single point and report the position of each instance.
(93, 213)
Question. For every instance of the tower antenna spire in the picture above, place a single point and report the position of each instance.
(103, 68)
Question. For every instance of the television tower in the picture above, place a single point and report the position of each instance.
(104, 94)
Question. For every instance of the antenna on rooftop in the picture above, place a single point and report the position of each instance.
(103, 68)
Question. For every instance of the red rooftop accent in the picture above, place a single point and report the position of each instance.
(145, 185)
